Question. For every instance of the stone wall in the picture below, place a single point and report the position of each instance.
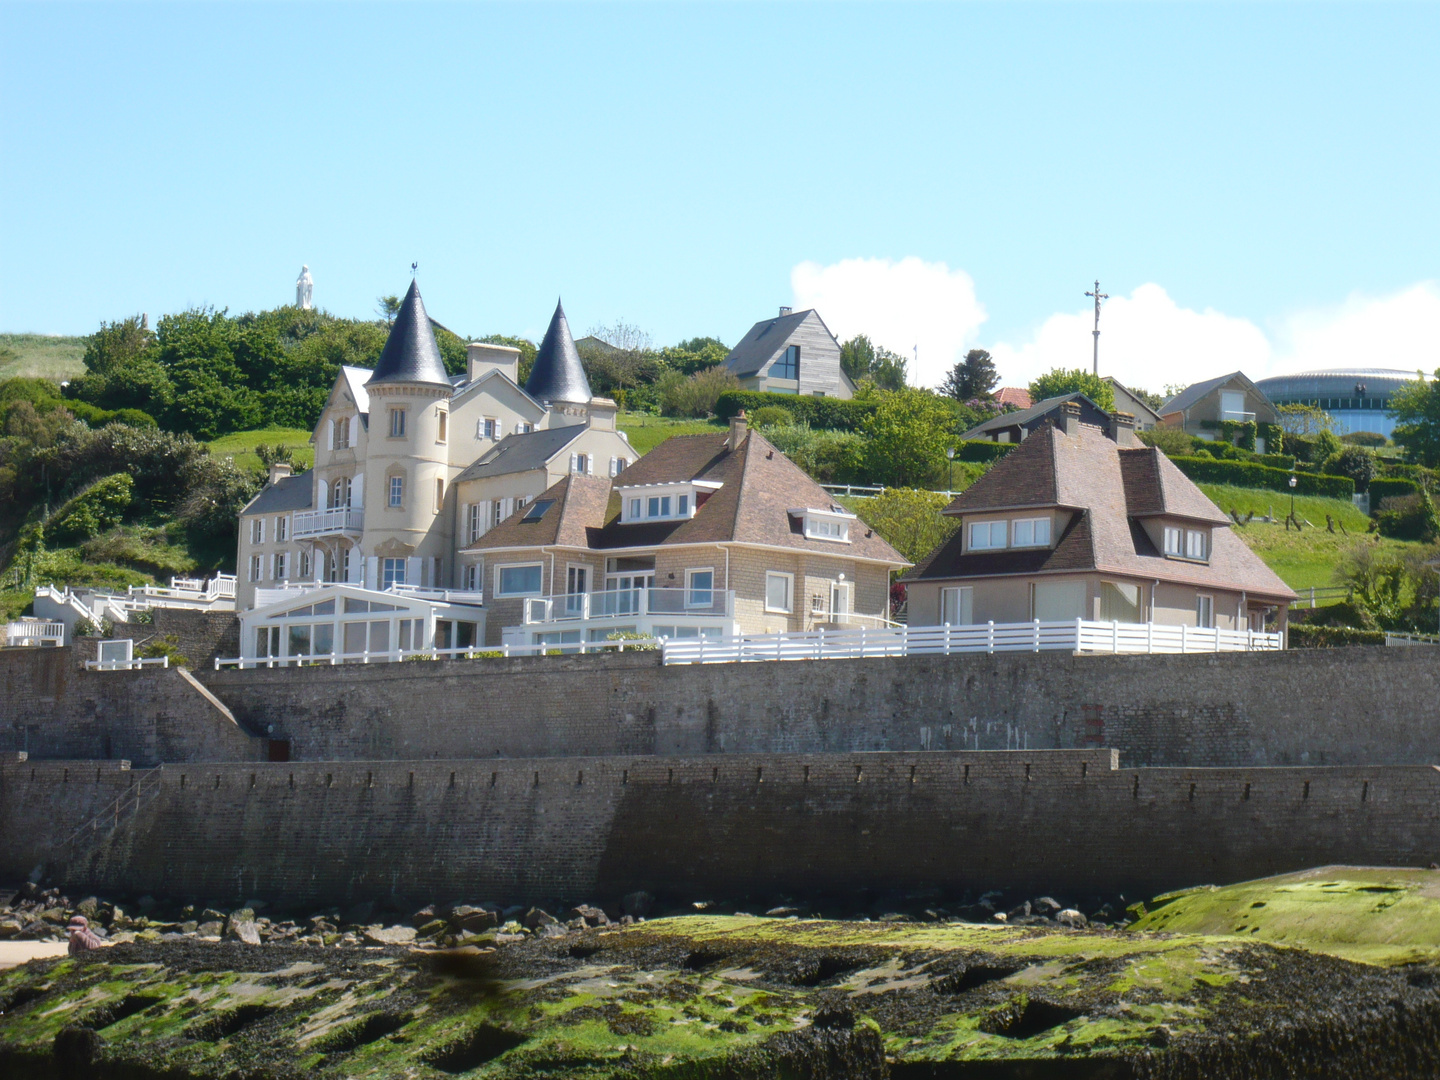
(1359, 706)
(202, 635)
(692, 827)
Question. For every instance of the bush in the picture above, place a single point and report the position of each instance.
(835, 414)
(1277, 461)
(168, 645)
(697, 395)
(1254, 475)
(1364, 438)
(1332, 637)
(1389, 487)
(1171, 441)
(982, 450)
(772, 416)
(98, 508)
(1355, 462)
(829, 457)
(1412, 517)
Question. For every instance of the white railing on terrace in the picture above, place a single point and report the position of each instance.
(861, 491)
(465, 652)
(1411, 639)
(430, 592)
(1078, 636)
(220, 587)
(339, 519)
(1232, 414)
(628, 603)
(34, 632)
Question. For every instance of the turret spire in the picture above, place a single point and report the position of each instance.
(411, 352)
(558, 374)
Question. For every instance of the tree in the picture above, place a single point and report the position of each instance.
(1170, 441)
(1356, 462)
(1416, 407)
(1074, 380)
(909, 520)
(908, 433)
(972, 378)
(387, 307)
(1153, 400)
(697, 395)
(1304, 420)
(861, 359)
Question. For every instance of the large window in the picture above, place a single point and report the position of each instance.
(473, 522)
(257, 563)
(779, 591)
(340, 495)
(1119, 602)
(957, 606)
(788, 366)
(522, 580)
(282, 563)
(397, 423)
(392, 572)
(985, 535)
(397, 491)
(1173, 539)
(282, 530)
(1195, 544)
(1058, 601)
(257, 531)
(699, 588)
(1031, 532)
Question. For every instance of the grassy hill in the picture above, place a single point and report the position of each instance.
(647, 432)
(1306, 558)
(241, 446)
(40, 356)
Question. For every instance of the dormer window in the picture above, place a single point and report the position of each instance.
(668, 502)
(1030, 532)
(832, 524)
(1187, 543)
(988, 535)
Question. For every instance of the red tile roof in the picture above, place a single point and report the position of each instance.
(1013, 395)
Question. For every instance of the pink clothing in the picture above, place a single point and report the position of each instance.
(82, 938)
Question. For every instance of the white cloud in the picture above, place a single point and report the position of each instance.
(1146, 340)
(899, 304)
(1149, 341)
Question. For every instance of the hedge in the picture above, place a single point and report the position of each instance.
(836, 414)
(1277, 461)
(982, 450)
(1332, 637)
(1385, 487)
(1249, 474)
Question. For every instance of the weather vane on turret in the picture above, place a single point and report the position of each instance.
(414, 269)
(1099, 296)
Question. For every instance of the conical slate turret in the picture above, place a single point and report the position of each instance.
(558, 374)
(411, 354)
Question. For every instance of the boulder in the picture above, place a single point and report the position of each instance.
(553, 929)
(1019, 912)
(212, 929)
(537, 917)
(425, 915)
(389, 935)
(89, 907)
(434, 928)
(247, 932)
(637, 904)
(1071, 917)
(472, 919)
(208, 915)
(1044, 906)
(9, 928)
(592, 916)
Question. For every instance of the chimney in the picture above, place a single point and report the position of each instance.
(784, 311)
(1122, 428)
(1069, 421)
(279, 471)
(738, 425)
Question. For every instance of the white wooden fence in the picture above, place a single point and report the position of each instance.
(464, 652)
(34, 632)
(1078, 636)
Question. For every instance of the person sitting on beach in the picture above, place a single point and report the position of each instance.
(82, 938)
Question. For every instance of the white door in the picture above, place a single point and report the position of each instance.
(576, 579)
(840, 602)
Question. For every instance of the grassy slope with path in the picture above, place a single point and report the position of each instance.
(40, 356)
(241, 446)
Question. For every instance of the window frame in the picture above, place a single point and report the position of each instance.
(989, 526)
(442, 424)
(257, 568)
(787, 366)
(282, 531)
(1208, 602)
(789, 579)
(257, 530)
(961, 602)
(1197, 538)
(1178, 533)
(1034, 523)
(387, 578)
(691, 591)
(439, 494)
(397, 421)
(500, 568)
(395, 492)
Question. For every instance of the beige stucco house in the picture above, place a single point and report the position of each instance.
(1081, 521)
(704, 536)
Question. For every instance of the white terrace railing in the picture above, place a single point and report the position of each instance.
(1078, 636)
(1412, 639)
(629, 603)
(464, 652)
(34, 632)
(339, 519)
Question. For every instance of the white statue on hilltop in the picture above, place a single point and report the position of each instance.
(304, 286)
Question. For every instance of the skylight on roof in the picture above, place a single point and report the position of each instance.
(537, 509)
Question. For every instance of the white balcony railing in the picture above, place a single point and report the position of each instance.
(1078, 636)
(339, 519)
(34, 632)
(629, 603)
(463, 652)
(1241, 417)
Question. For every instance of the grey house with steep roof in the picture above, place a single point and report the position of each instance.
(793, 353)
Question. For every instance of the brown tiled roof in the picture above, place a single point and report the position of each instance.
(759, 486)
(1109, 488)
(1013, 395)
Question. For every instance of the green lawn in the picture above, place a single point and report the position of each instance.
(1307, 558)
(40, 355)
(647, 432)
(241, 446)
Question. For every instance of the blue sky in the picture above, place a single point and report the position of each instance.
(1254, 184)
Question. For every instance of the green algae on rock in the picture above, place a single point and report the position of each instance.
(717, 997)
(1379, 915)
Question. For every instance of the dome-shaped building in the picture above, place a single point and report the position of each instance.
(1357, 399)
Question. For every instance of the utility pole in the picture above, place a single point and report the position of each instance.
(1099, 296)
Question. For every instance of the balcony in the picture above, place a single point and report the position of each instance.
(1238, 417)
(629, 604)
(337, 521)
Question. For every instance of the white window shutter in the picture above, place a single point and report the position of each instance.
(507, 509)
(574, 463)
(612, 467)
(332, 435)
(589, 464)
(486, 510)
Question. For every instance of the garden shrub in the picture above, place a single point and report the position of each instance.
(771, 416)
(1254, 475)
(819, 412)
(1332, 637)
(1388, 487)
(99, 507)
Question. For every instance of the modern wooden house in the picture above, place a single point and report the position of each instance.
(793, 353)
